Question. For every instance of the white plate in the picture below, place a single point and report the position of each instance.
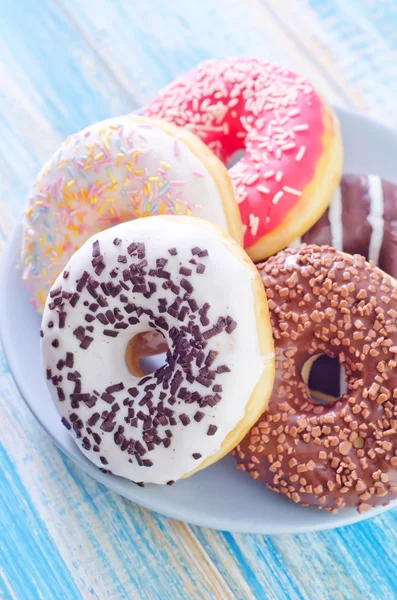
(221, 496)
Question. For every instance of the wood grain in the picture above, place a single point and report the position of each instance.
(63, 65)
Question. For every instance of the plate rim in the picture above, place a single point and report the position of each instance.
(183, 514)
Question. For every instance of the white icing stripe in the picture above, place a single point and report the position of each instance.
(342, 381)
(375, 217)
(296, 243)
(335, 220)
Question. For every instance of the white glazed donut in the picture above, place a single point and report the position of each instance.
(116, 170)
(189, 280)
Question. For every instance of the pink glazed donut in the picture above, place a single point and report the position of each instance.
(293, 150)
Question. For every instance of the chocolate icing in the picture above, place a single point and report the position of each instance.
(344, 453)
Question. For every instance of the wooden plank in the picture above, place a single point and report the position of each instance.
(147, 45)
(98, 535)
(354, 43)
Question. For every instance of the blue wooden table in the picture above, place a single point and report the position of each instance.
(63, 65)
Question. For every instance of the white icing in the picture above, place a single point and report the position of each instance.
(113, 162)
(375, 217)
(226, 285)
(296, 243)
(335, 220)
(342, 381)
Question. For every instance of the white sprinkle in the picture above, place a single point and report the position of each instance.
(268, 174)
(300, 153)
(296, 243)
(292, 191)
(294, 112)
(254, 226)
(263, 189)
(245, 124)
(279, 176)
(277, 197)
(278, 153)
(288, 146)
(303, 127)
(252, 179)
(233, 102)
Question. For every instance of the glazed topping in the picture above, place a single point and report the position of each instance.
(175, 278)
(344, 453)
(272, 113)
(113, 171)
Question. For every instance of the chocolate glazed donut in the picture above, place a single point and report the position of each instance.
(361, 219)
(344, 453)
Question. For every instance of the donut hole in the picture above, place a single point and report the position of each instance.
(325, 378)
(145, 353)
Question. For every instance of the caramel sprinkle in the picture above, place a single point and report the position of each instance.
(343, 453)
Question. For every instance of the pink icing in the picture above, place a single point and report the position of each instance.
(266, 110)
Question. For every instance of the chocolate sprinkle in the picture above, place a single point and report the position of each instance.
(116, 387)
(186, 285)
(110, 333)
(62, 319)
(184, 419)
(86, 342)
(212, 429)
(66, 423)
(82, 281)
(199, 416)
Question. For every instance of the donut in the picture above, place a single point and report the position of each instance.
(361, 219)
(116, 170)
(344, 453)
(291, 139)
(190, 281)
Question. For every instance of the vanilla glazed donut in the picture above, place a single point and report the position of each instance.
(293, 149)
(188, 280)
(361, 219)
(116, 170)
(342, 454)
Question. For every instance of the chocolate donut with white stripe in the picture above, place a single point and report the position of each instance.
(361, 219)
